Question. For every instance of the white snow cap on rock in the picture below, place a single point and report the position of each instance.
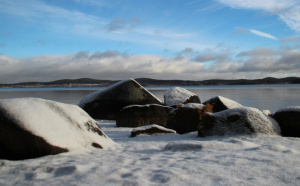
(62, 125)
(194, 105)
(146, 127)
(177, 95)
(229, 103)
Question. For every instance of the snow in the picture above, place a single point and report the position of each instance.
(59, 124)
(177, 95)
(171, 159)
(140, 106)
(289, 109)
(193, 105)
(229, 103)
(146, 127)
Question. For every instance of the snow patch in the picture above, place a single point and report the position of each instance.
(194, 105)
(143, 128)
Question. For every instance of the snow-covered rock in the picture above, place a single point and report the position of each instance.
(220, 103)
(178, 95)
(151, 130)
(106, 104)
(33, 127)
(141, 115)
(289, 121)
(242, 120)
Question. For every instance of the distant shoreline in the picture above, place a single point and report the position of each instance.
(86, 82)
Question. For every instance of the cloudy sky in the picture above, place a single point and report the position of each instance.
(45, 40)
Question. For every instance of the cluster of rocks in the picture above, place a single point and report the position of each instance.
(131, 105)
(32, 127)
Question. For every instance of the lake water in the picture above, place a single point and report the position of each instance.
(270, 97)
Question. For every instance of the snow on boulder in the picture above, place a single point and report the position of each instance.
(141, 115)
(242, 120)
(289, 121)
(106, 104)
(178, 95)
(33, 127)
(220, 103)
(151, 130)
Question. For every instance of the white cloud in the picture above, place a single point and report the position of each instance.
(239, 30)
(256, 63)
(262, 34)
(269, 5)
(287, 10)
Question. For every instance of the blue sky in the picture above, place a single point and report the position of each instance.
(43, 40)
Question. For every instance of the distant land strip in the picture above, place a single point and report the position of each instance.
(87, 82)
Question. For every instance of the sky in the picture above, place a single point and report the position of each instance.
(46, 40)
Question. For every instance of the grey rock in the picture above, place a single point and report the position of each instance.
(242, 120)
(107, 103)
(289, 121)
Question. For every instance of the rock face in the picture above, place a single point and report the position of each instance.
(141, 115)
(289, 121)
(220, 103)
(106, 104)
(186, 118)
(32, 127)
(178, 95)
(151, 130)
(242, 120)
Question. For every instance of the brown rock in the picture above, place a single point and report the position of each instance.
(141, 115)
(186, 119)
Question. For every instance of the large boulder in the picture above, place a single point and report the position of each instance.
(289, 121)
(220, 103)
(151, 130)
(186, 118)
(106, 104)
(242, 120)
(178, 95)
(33, 127)
(141, 115)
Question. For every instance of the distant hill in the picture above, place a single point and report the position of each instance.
(87, 82)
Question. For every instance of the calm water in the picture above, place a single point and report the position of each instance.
(271, 97)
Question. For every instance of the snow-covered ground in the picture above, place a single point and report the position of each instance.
(169, 159)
